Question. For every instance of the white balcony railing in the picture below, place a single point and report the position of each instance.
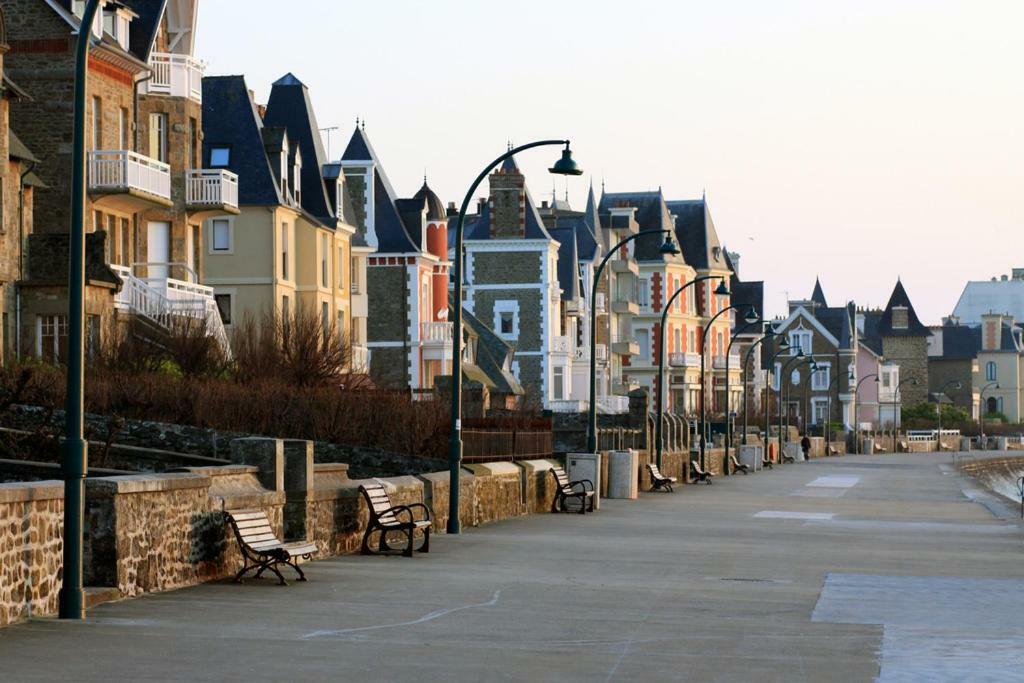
(211, 187)
(612, 405)
(599, 302)
(360, 358)
(684, 360)
(562, 344)
(436, 332)
(718, 362)
(176, 75)
(123, 170)
(567, 406)
(601, 351)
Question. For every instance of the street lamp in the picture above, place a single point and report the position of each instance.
(769, 333)
(783, 347)
(564, 166)
(913, 381)
(808, 360)
(750, 319)
(660, 398)
(74, 456)
(981, 413)
(856, 393)
(826, 431)
(667, 248)
(955, 383)
(782, 374)
(721, 291)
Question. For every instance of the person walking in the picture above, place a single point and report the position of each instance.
(805, 446)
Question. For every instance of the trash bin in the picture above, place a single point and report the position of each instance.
(751, 457)
(624, 474)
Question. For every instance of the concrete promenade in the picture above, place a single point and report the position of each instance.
(847, 569)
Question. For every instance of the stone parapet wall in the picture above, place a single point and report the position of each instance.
(31, 545)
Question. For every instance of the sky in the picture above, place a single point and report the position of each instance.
(854, 141)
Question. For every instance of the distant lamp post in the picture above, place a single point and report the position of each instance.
(782, 348)
(981, 412)
(784, 389)
(564, 166)
(667, 248)
(897, 406)
(721, 290)
(750, 319)
(827, 428)
(769, 333)
(955, 383)
(856, 393)
(660, 396)
(74, 456)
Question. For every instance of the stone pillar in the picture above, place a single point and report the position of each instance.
(639, 408)
(265, 454)
(298, 489)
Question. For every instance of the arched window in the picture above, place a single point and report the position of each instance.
(993, 405)
(990, 371)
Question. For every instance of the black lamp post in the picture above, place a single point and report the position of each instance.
(74, 450)
(826, 430)
(769, 333)
(750, 319)
(722, 290)
(784, 397)
(808, 360)
(981, 412)
(782, 348)
(912, 381)
(955, 383)
(564, 166)
(668, 248)
(660, 398)
(856, 401)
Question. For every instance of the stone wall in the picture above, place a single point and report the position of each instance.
(31, 544)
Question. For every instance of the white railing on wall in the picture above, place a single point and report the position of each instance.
(122, 169)
(360, 358)
(436, 332)
(683, 360)
(176, 75)
(211, 187)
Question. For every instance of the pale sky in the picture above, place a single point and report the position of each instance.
(857, 141)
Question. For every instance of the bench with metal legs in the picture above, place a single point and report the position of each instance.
(261, 549)
(565, 490)
(659, 482)
(387, 518)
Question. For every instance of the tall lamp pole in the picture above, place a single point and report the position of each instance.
(660, 398)
(703, 379)
(981, 413)
(750, 319)
(826, 431)
(784, 387)
(896, 400)
(856, 401)
(955, 383)
(782, 348)
(74, 456)
(769, 333)
(808, 360)
(564, 166)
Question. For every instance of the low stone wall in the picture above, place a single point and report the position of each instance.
(998, 474)
(31, 544)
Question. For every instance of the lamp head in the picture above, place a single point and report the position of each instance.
(722, 290)
(566, 165)
(751, 317)
(784, 344)
(799, 353)
(668, 247)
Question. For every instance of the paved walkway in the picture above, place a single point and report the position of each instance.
(846, 569)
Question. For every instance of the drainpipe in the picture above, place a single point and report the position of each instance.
(135, 110)
(21, 257)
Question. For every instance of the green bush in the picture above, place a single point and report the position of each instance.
(951, 414)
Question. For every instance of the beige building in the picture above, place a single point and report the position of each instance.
(293, 244)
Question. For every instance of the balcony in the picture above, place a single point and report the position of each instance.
(360, 359)
(599, 303)
(175, 76)
(684, 360)
(627, 347)
(622, 266)
(127, 181)
(437, 340)
(718, 362)
(601, 352)
(623, 307)
(621, 386)
(562, 345)
(209, 192)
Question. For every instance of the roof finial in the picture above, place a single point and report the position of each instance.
(703, 193)
(566, 190)
(357, 121)
(364, 123)
(508, 143)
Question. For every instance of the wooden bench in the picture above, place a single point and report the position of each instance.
(766, 462)
(385, 518)
(261, 549)
(877, 447)
(737, 466)
(903, 445)
(787, 458)
(582, 490)
(699, 474)
(659, 482)
(831, 450)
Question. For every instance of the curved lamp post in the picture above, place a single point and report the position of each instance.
(782, 348)
(750, 319)
(723, 290)
(564, 166)
(808, 360)
(703, 379)
(769, 333)
(981, 412)
(799, 357)
(828, 406)
(668, 247)
(856, 393)
(955, 383)
(896, 399)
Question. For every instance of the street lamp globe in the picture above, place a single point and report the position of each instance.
(751, 317)
(668, 247)
(722, 290)
(566, 165)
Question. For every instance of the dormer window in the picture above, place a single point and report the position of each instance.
(116, 22)
(297, 176)
(284, 167)
(900, 318)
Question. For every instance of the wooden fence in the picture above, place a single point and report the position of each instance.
(505, 444)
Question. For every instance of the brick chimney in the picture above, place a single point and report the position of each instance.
(508, 203)
(991, 331)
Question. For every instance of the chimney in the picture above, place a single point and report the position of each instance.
(1017, 274)
(991, 331)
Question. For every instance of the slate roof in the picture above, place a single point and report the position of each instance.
(747, 295)
(492, 352)
(652, 214)
(837, 321)
(568, 263)
(914, 327)
(818, 295)
(960, 342)
(143, 29)
(697, 235)
(18, 150)
(435, 207)
(230, 119)
(870, 336)
(289, 106)
(392, 235)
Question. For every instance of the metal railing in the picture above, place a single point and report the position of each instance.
(436, 332)
(176, 75)
(683, 360)
(718, 362)
(211, 187)
(122, 169)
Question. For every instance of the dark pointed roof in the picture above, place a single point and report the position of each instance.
(838, 323)
(914, 327)
(230, 119)
(652, 214)
(392, 235)
(818, 296)
(435, 207)
(568, 263)
(697, 235)
(747, 295)
(290, 107)
(143, 29)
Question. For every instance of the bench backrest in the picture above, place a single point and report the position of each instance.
(253, 528)
(734, 460)
(562, 478)
(379, 502)
(655, 472)
(696, 467)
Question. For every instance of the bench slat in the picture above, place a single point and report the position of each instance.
(261, 529)
(247, 515)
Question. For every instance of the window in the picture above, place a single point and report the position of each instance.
(691, 342)
(122, 128)
(721, 344)
(775, 376)
(643, 293)
(285, 234)
(220, 157)
(193, 143)
(283, 169)
(325, 318)
(990, 371)
(820, 379)
(126, 247)
(97, 123)
(900, 318)
(354, 271)
(643, 340)
(221, 231)
(223, 307)
(799, 340)
(324, 259)
(341, 267)
(558, 388)
(111, 240)
(286, 312)
(886, 380)
(52, 337)
(677, 337)
(794, 377)
(92, 335)
(158, 136)
(507, 322)
(820, 408)
(297, 176)
(506, 319)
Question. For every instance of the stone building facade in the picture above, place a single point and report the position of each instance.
(905, 342)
